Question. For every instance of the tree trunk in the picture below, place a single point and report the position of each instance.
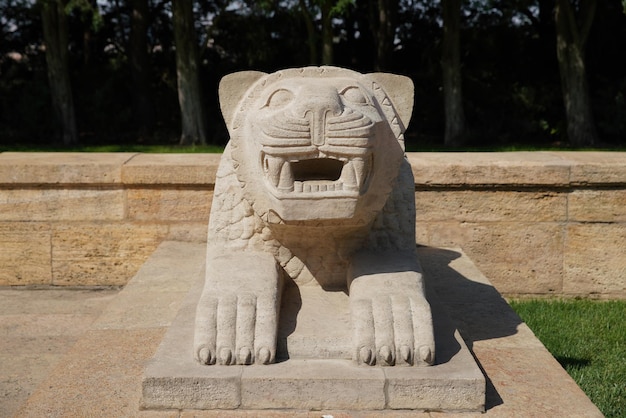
(189, 93)
(451, 69)
(310, 30)
(327, 33)
(140, 67)
(385, 28)
(571, 38)
(55, 32)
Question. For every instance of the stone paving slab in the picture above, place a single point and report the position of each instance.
(37, 329)
(101, 375)
(97, 378)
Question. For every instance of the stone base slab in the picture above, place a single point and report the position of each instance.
(174, 380)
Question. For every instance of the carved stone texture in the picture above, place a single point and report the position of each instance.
(313, 190)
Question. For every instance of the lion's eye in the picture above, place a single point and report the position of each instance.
(355, 95)
(279, 98)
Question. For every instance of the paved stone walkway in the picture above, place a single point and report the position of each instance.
(81, 353)
(37, 329)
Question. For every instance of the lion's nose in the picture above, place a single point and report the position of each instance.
(316, 103)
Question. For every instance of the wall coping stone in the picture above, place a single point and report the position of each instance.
(458, 169)
(35, 168)
(188, 169)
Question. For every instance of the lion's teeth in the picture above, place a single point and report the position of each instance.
(285, 184)
(272, 167)
(348, 177)
(279, 173)
(359, 171)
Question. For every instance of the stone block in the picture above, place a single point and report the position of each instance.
(314, 385)
(600, 168)
(490, 206)
(25, 253)
(597, 206)
(504, 168)
(520, 257)
(171, 169)
(594, 259)
(169, 204)
(458, 393)
(61, 204)
(220, 390)
(62, 168)
(101, 254)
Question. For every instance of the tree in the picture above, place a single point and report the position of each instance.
(310, 30)
(326, 10)
(309, 10)
(55, 32)
(572, 31)
(140, 67)
(326, 7)
(451, 69)
(188, 80)
(383, 21)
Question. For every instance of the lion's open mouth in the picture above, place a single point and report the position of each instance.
(317, 176)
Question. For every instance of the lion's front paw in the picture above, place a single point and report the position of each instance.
(392, 330)
(237, 317)
(236, 329)
(391, 319)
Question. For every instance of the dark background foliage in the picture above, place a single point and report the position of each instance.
(511, 86)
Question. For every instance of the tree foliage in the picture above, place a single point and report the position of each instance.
(125, 87)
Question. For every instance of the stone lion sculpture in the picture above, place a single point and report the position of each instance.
(314, 188)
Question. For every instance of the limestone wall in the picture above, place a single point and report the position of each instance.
(543, 223)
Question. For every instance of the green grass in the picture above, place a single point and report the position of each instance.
(588, 338)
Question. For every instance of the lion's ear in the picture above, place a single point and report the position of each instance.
(399, 89)
(232, 89)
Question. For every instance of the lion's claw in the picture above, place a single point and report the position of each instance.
(264, 356)
(204, 355)
(426, 355)
(225, 356)
(366, 357)
(386, 355)
(405, 354)
(245, 356)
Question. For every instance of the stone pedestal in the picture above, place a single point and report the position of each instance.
(309, 375)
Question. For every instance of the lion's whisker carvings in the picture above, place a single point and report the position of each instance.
(313, 190)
